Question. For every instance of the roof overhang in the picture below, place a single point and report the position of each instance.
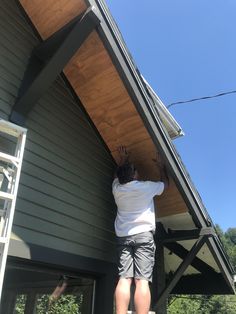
(126, 111)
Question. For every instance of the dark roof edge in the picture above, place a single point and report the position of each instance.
(131, 77)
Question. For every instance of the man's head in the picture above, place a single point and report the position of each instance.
(126, 173)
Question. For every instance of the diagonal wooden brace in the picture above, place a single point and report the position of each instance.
(39, 76)
(181, 269)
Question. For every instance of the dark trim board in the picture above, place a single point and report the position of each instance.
(182, 235)
(40, 254)
(180, 271)
(103, 272)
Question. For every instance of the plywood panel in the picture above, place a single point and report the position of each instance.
(103, 94)
(50, 15)
(97, 83)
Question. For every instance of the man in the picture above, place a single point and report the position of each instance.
(135, 226)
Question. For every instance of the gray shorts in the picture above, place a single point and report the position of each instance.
(136, 255)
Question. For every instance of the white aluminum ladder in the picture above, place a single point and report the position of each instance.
(10, 169)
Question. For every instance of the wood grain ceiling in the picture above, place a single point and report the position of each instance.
(103, 94)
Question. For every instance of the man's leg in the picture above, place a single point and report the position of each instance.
(122, 295)
(144, 257)
(142, 296)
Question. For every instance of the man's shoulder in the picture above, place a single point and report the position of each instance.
(152, 185)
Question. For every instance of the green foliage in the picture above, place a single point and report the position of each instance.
(66, 304)
(20, 304)
(216, 304)
(182, 305)
(202, 305)
(228, 240)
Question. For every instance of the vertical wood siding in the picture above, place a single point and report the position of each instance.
(64, 199)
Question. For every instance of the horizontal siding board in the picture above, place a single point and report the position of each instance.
(71, 123)
(9, 36)
(83, 168)
(15, 18)
(64, 198)
(5, 109)
(3, 115)
(70, 114)
(83, 176)
(62, 231)
(80, 223)
(5, 63)
(68, 140)
(13, 60)
(78, 212)
(78, 198)
(8, 76)
(67, 175)
(61, 195)
(50, 241)
(8, 86)
(75, 188)
(19, 56)
(7, 97)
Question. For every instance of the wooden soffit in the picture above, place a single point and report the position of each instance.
(102, 92)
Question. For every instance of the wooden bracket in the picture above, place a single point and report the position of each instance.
(48, 60)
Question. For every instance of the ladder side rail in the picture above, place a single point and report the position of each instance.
(10, 212)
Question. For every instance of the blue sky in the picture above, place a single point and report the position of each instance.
(186, 49)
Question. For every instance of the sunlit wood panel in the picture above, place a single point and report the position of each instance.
(49, 16)
(98, 85)
(103, 94)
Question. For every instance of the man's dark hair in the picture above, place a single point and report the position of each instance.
(125, 173)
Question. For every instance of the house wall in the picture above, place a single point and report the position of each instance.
(64, 198)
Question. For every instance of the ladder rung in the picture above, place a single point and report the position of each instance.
(6, 196)
(10, 128)
(3, 240)
(9, 158)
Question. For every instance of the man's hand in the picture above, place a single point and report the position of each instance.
(124, 156)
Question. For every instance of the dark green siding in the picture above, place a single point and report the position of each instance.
(64, 199)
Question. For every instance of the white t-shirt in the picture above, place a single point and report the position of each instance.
(135, 206)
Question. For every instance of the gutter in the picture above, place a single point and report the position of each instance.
(163, 112)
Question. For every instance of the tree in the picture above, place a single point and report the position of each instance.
(228, 240)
